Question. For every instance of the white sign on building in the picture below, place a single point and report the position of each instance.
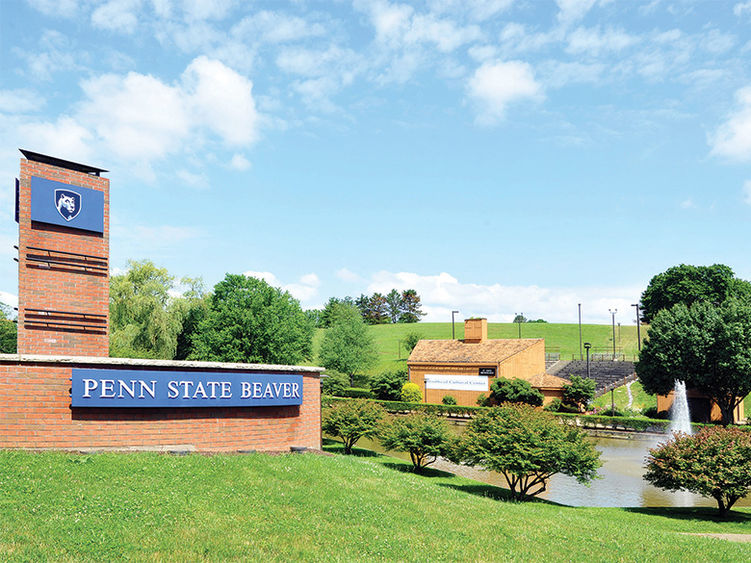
(456, 382)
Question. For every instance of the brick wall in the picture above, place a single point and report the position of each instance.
(60, 288)
(36, 413)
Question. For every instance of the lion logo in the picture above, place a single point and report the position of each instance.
(68, 204)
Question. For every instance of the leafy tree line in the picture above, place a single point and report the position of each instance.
(394, 307)
(8, 330)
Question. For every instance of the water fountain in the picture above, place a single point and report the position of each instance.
(680, 420)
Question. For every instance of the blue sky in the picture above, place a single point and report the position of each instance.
(498, 156)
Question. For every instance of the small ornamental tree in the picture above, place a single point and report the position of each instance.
(515, 391)
(715, 463)
(387, 386)
(527, 446)
(424, 436)
(352, 420)
(579, 392)
(411, 393)
(411, 339)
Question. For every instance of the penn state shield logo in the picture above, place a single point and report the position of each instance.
(68, 204)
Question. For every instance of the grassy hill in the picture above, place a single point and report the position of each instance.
(563, 338)
(67, 507)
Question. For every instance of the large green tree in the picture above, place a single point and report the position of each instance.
(707, 346)
(347, 345)
(691, 284)
(189, 309)
(8, 331)
(250, 321)
(141, 326)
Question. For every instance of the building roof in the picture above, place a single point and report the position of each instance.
(547, 381)
(460, 352)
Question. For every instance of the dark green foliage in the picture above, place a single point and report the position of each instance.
(411, 393)
(315, 317)
(411, 311)
(610, 411)
(411, 339)
(579, 392)
(351, 420)
(707, 346)
(448, 400)
(250, 321)
(395, 307)
(334, 383)
(8, 331)
(714, 463)
(332, 310)
(482, 400)
(377, 310)
(538, 321)
(556, 405)
(527, 447)
(347, 345)
(691, 284)
(424, 436)
(190, 310)
(357, 393)
(515, 391)
(519, 319)
(387, 386)
(652, 412)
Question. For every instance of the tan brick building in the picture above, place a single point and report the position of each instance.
(465, 369)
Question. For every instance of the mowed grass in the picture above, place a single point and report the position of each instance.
(563, 338)
(641, 400)
(64, 507)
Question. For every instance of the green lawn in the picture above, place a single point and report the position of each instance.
(563, 338)
(58, 507)
(641, 399)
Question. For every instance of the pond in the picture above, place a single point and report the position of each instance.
(620, 483)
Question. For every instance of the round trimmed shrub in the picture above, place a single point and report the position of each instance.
(448, 400)
(411, 393)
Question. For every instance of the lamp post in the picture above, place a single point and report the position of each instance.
(580, 331)
(638, 326)
(612, 314)
(453, 334)
(587, 346)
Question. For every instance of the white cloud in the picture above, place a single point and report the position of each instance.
(570, 11)
(347, 275)
(742, 9)
(65, 138)
(442, 293)
(20, 101)
(239, 162)
(273, 27)
(9, 299)
(594, 41)
(198, 181)
(733, 138)
(117, 15)
(747, 192)
(56, 54)
(688, 204)
(199, 10)
(304, 290)
(496, 85)
(58, 8)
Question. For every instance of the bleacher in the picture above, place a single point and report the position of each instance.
(606, 373)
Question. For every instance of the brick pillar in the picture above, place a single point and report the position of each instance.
(63, 271)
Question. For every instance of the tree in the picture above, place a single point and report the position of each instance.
(141, 326)
(527, 447)
(352, 420)
(250, 321)
(707, 346)
(424, 436)
(411, 312)
(334, 383)
(520, 319)
(329, 311)
(394, 306)
(579, 392)
(387, 386)
(515, 390)
(411, 393)
(189, 310)
(411, 339)
(8, 331)
(691, 284)
(347, 346)
(377, 312)
(714, 463)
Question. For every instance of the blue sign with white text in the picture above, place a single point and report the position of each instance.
(145, 388)
(67, 205)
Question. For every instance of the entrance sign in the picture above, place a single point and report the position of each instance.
(66, 205)
(147, 388)
(489, 372)
(456, 382)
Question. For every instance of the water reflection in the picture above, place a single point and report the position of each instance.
(621, 482)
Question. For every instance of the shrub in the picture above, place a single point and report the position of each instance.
(411, 339)
(652, 412)
(609, 411)
(387, 386)
(715, 463)
(357, 393)
(579, 392)
(448, 400)
(556, 405)
(411, 393)
(515, 391)
(334, 383)
(527, 446)
(352, 420)
(482, 400)
(424, 436)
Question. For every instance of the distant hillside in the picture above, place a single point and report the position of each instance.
(559, 338)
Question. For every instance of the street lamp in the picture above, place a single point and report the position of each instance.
(587, 346)
(612, 313)
(453, 334)
(638, 326)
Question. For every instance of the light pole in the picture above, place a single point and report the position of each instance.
(587, 346)
(453, 334)
(580, 331)
(612, 314)
(638, 326)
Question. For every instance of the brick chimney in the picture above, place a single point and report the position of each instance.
(475, 330)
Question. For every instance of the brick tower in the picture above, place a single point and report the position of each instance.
(62, 209)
